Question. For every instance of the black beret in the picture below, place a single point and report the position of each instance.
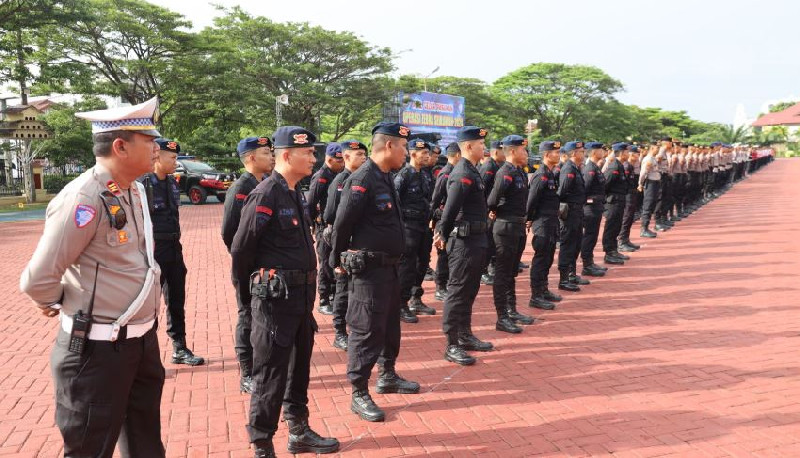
(468, 133)
(250, 143)
(594, 145)
(452, 148)
(495, 144)
(168, 145)
(515, 140)
(352, 144)
(392, 129)
(418, 144)
(549, 145)
(293, 137)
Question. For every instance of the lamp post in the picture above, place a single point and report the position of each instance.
(280, 100)
(425, 79)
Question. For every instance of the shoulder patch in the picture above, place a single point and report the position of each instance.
(263, 209)
(357, 188)
(323, 180)
(544, 177)
(591, 172)
(508, 178)
(466, 181)
(489, 172)
(570, 175)
(84, 214)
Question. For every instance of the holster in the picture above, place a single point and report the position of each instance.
(563, 211)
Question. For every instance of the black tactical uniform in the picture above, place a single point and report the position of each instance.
(616, 193)
(508, 199)
(542, 211)
(414, 190)
(164, 198)
(595, 183)
(317, 198)
(488, 171)
(572, 195)
(437, 205)
(464, 229)
(231, 214)
(631, 203)
(273, 246)
(341, 295)
(369, 230)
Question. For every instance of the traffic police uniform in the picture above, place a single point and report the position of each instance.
(616, 195)
(414, 188)
(508, 200)
(231, 215)
(595, 183)
(317, 198)
(96, 257)
(463, 228)
(369, 228)
(340, 297)
(542, 211)
(650, 181)
(164, 198)
(572, 196)
(274, 248)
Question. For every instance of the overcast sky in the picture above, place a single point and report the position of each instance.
(706, 57)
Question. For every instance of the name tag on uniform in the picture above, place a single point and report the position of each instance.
(589, 201)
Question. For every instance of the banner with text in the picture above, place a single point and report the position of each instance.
(430, 112)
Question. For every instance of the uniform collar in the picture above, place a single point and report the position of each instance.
(282, 181)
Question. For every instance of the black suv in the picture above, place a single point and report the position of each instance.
(198, 180)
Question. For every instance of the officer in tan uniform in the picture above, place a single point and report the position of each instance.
(94, 269)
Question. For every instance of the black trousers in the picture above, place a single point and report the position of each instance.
(652, 190)
(571, 234)
(509, 240)
(409, 263)
(373, 315)
(491, 250)
(282, 345)
(466, 257)
(628, 215)
(592, 217)
(111, 391)
(244, 323)
(423, 262)
(340, 299)
(442, 268)
(615, 209)
(169, 256)
(545, 237)
(664, 198)
(325, 281)
(679, 191)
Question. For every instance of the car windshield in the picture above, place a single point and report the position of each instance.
(197, 167)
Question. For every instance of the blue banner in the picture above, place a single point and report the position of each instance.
(429, 112)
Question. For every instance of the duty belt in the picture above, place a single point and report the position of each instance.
(299, 277)
(475, 227)
(415, 215)
(380, 259)
(167, 236)
(511, 219)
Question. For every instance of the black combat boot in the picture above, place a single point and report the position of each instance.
(506, 324)
(538, 300)
(591, 269)
(263, 449)
(390, 382)
(576, 279)
(619, 255)
(646, 232)
(363, 406)
(440, 294)
(471, 343)
(611, 259)
(182, 355)
(564, 283)
(340, 341)
(519, 317)
(419, 308)
(325, 306)
(550, 296)
(303, 439)
(246, 377)
(407, 316)
(457, 354)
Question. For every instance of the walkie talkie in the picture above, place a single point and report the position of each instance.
(82, 322)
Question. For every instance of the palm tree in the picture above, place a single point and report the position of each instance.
(730, 134)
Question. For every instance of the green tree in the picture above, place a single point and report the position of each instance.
(72, 137)
(552, 93)
(780, 106)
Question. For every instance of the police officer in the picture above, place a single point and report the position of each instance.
(354, 154)
(542, 216)
(664, 161)
(414, 187)
(649, 184)
(507, 204)
(438, 200)
(273, 245)
(488, 171)
(616, 194)
(317, 198)
(164, 198)
(368, 240)
(463, 230)
(94, 268)
(572, 197)
(624, 243)
(595, 184)
(258, 160)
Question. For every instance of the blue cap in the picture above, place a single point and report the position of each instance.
(293, 137)
(571, 146)
(392, 129)
(352, 144)
(715, 144)
(250, 143)
(334, 150)
(549, 145)
(452, 148)
(593, 145)
(496, 144)
(634, 149)
(418, 144)
(468, 133)
(168, 145)
(515, 140)
(619, 146)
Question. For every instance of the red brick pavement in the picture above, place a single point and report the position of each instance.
(688, 350)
